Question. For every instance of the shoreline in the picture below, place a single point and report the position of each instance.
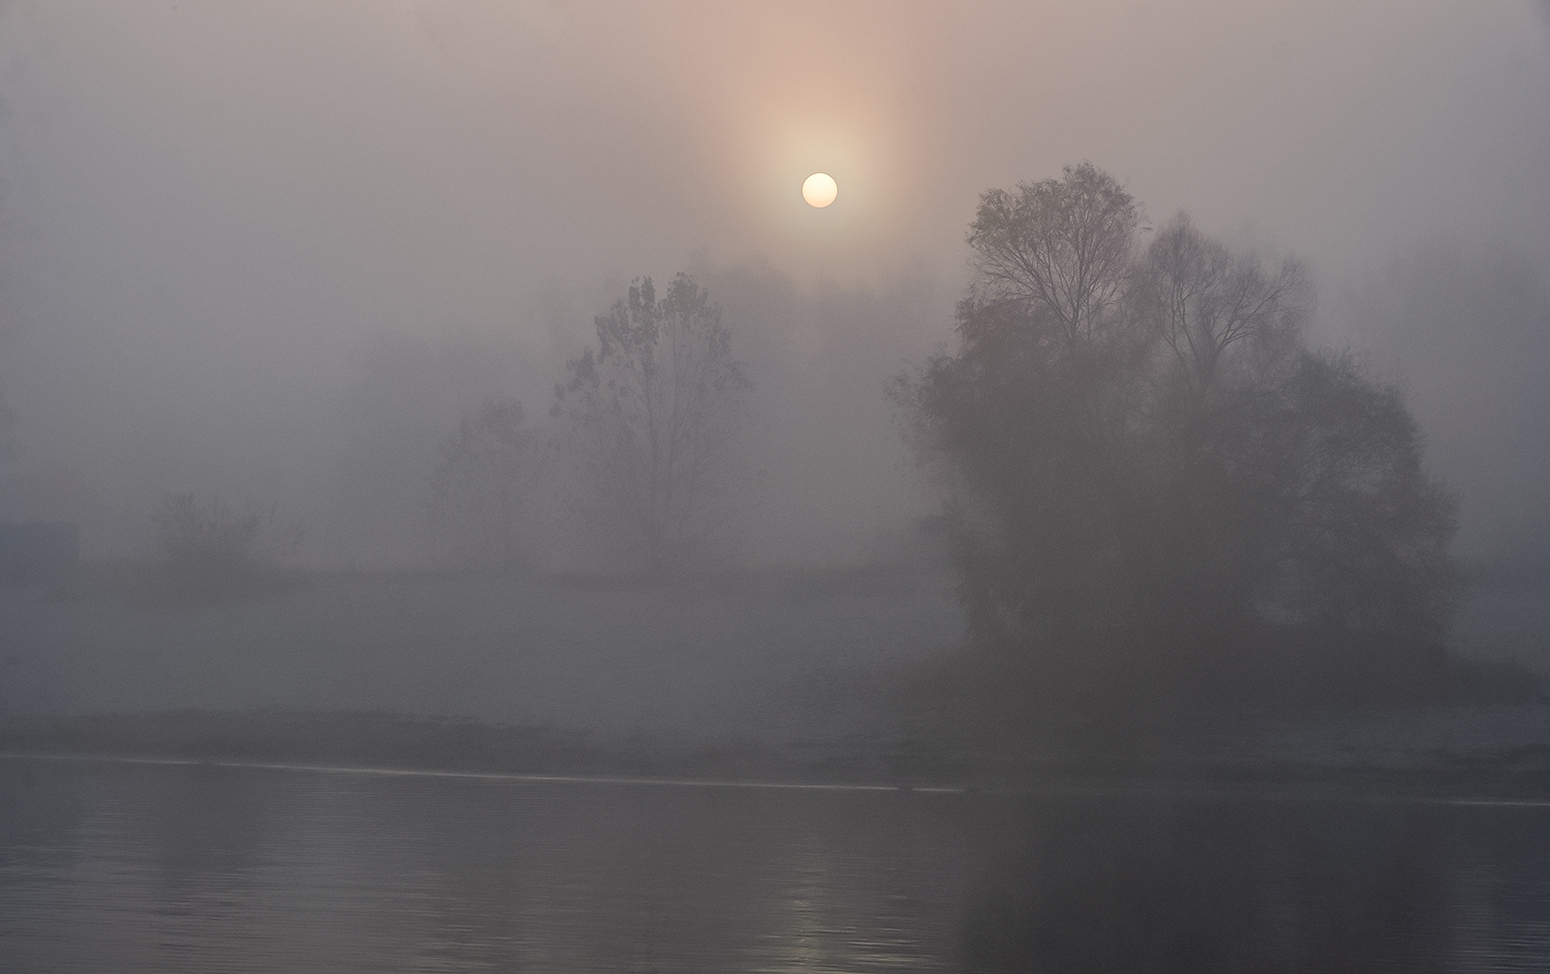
(401, 745)
(1139, 788)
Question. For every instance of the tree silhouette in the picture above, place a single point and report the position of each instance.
(1150, 476)
(653, 415)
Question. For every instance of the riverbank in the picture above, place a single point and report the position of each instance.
(845, 675)
(1283, 759)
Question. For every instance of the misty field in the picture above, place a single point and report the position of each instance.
(764, 657)
(816, 672)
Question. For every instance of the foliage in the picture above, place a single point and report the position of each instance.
(653, 416)
(488, 467)
(1148, 473)
(209, 550)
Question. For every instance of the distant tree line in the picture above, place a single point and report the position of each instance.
(643, 448)
(1152, 481)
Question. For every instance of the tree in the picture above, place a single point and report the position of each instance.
(1219, 379)
(1363, 533)
(1218, 315)
(488, 467)
(1060, 249)
(1028, 420)
(654, 415)
(1146, 469)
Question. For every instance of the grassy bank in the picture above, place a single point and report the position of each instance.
(778, 656)
(822, 675)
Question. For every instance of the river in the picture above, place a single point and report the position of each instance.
(110, 866)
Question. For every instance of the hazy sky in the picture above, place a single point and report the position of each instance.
(217, 216)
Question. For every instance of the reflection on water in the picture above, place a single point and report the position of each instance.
(115, 867)
(1110, 885)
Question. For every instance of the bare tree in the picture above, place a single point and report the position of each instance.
(1208, 305)
(654, 416)
(1061, 246)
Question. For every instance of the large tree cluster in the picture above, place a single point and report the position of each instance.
(1149, 471)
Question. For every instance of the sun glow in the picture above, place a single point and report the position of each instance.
(820, 189)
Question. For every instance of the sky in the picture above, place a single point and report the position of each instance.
(273, 249)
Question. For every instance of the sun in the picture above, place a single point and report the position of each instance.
(820, 189)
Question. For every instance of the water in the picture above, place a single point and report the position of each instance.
(166, 868)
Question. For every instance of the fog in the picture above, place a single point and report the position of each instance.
(461, 507)
(273, 251)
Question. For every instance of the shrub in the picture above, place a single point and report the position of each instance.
(209, 551)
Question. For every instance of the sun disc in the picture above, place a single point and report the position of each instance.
(820, 189)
